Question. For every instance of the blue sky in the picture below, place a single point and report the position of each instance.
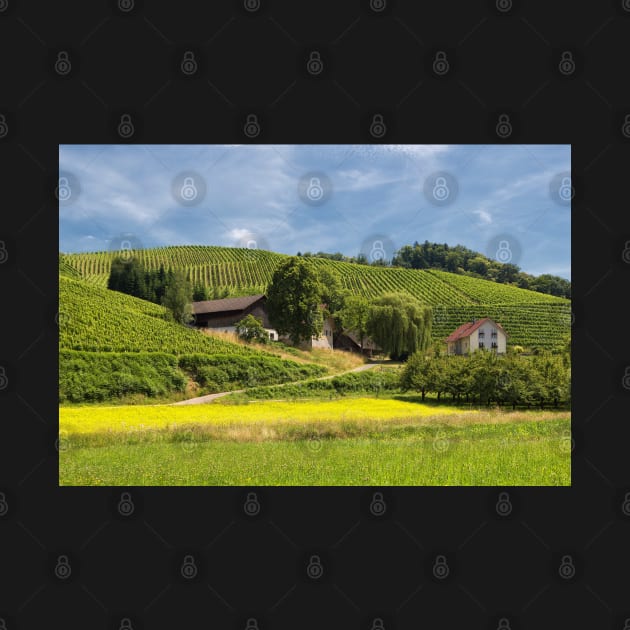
(479, 196)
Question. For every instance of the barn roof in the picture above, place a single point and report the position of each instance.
(226, 304)
(469, 327)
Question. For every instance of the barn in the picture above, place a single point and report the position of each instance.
(224, 314)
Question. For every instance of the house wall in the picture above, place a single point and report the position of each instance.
(488, 327)
(325, 340)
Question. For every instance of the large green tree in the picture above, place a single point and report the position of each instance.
(400, 324)
(354, 316)
(178, 297)
(293, 300)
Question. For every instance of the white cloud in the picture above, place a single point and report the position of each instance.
(484, 216)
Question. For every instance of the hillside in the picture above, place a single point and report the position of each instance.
(530, 318)
(112, 345)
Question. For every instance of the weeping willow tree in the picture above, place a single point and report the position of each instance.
(400, 324)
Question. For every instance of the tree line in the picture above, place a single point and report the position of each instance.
(484, 377)
(461, 260)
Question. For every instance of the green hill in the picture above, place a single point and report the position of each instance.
(530, 318)
(112, 345)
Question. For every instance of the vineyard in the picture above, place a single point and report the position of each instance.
(96, 319)
(530, 318)
(252, 269)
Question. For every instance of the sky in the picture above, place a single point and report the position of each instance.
(512, 203)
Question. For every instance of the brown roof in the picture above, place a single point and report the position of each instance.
(226, 304)
(469, 327)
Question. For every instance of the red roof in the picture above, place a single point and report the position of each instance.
(469, 327)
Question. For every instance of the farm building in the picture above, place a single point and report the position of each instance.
(349, 340)
(476, 335)
(224, 314)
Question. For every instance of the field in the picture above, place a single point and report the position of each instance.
(289, 427)
(530, 318)
(356, 441)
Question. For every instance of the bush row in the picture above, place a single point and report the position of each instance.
(104, 376)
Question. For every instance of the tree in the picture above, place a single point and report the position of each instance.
(250, 328)
(178, 297)
(399, 324)
(354, 316)
(200, 293)
(293, 300)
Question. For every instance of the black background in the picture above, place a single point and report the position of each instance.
(502, 570)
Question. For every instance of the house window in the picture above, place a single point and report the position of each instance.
(481, 345)
(482, 334)
(494, 344)
(493, 334)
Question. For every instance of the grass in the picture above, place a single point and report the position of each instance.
(356, 441)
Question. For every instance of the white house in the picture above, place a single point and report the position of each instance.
(475, 335)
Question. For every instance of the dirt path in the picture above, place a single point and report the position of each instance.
(202, 400)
